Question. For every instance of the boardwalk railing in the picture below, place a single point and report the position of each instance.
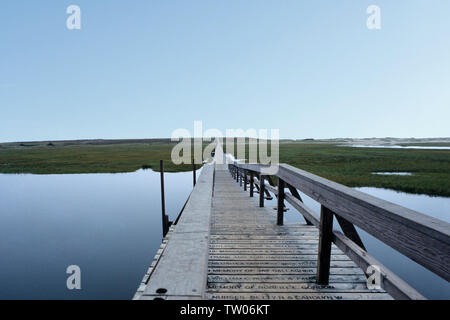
(166, 223)
(424, 239)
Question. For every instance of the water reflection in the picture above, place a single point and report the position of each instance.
(393, 173)
(396, 147)
(108, 224)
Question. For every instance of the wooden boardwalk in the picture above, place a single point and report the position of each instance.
(228, 245)
(250, 257)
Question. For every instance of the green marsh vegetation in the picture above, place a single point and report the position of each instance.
(350, 166)
(354, 167)
(82, 157)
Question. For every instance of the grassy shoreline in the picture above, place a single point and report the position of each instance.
(87, 159)
(346, 165)
(354, 167)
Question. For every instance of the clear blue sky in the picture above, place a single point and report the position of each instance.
(140, 69)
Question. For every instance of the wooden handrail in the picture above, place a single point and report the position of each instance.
(422, 238)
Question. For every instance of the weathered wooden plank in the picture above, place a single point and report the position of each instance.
(181, 269)
(277, 264)
(167, 297)
(182, 266)
(390, 282)
(281, 245)
(281, 271)
(254, 257)
(298, 296)
(264, 241)
(271, 251)
(283, 278)
(296, 232)
(262, 232)
(286, 227)
(287, 287)
(270, 229)
(260, 237)
(268, 235)
(251, 257)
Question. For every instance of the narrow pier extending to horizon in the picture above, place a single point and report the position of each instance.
(228, 245)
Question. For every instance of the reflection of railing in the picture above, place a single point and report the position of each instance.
(424, 239)
(166, 223)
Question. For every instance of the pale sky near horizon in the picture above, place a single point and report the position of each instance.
(141, 69)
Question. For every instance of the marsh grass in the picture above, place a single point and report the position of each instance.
(352, 167)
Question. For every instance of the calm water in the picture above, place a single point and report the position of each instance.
(110, 225)
(393, 173)
(397, 147)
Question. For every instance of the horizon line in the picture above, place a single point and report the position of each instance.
(236, 137)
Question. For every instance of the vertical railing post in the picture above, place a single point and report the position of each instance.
(165, 221)
(251, 183)
(245, 180)
(261, 191)
(240, 178)
(325, 238)
(195, 175)
(280, 202)
(237, 174)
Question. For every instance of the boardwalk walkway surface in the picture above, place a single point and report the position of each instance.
(250, 257)
(226, 247)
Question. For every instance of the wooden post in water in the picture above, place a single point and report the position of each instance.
(261, 191)
(325, 237)
(165, 221)
(280, 207)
